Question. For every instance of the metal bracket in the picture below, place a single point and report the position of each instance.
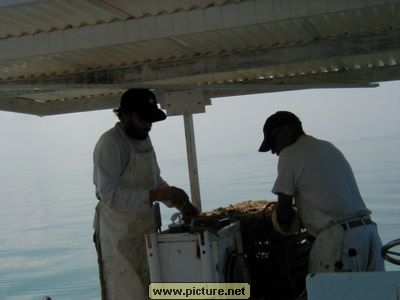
(184, 102)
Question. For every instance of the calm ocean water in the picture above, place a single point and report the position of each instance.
(46, 236)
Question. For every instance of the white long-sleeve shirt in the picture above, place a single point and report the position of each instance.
(111, 156)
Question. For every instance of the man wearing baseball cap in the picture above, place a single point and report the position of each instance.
(316, 177)
(128, 181)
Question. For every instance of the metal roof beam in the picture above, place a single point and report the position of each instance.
(26, 103)
(15, 90)
(358, 76)
(20, 106)
(29, 106)
(249, 90)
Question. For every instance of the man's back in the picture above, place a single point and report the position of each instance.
(322, 177)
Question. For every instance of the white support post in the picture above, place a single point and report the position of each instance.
(187, 103)
(192, 160)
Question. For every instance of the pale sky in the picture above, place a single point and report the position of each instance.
(230, 124)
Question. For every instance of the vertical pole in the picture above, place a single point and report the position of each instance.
(192, 160)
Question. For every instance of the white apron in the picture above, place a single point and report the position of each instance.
(327, 247)
(124, 272)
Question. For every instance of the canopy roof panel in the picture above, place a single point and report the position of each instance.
(84, 53)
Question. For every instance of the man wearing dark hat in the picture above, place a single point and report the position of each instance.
(316, 175)
(127, 180)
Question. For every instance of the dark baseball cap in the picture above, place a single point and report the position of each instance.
(274, 121)
(143, 102)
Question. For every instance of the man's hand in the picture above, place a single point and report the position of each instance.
(285, 218)
(178, 199)
(169, 193)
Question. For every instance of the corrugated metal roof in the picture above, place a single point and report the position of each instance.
(198, 43)
(276, 34)
(19, 18)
